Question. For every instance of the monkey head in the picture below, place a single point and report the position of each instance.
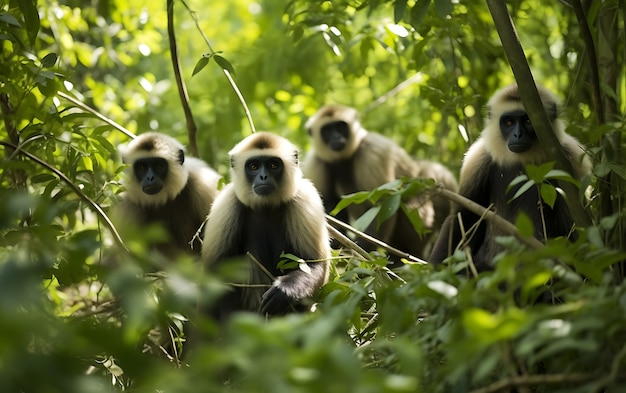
(336, 132)
(156, 173)
(510, 137)
(264, 170)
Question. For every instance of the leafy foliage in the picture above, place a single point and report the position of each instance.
(79, 313)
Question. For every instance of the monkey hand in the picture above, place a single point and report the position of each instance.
(276, 302)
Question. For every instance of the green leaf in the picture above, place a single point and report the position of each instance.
(389, 207)
(204, 60)
(524, 225)
(523, 189)
(366, 219)
(443, 8)
(10, 19)
(31, 17)
(399, 8)
(538, 172)
(548, 194)
(419, 11)
(414, 216)
(346, 200)
(49, 60)
(225, 64)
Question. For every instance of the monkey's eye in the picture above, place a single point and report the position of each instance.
(273, 165)
(508, 122)
(527, 121)
(253, 166)
(141, 167)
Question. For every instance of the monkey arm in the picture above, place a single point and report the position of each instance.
(307, 234)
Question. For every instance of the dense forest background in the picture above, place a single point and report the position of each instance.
(78, 78)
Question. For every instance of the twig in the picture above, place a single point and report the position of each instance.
(345, 241)
(533, 104)
(379, 243)
(489, 215)
(395, 91)
(76, 190)
(99, 115)
(226, 73)
(260, 265)
(504, 385)
(180, 82)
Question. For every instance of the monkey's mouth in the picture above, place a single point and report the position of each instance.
(337, 146)
(519, 147)
(264, 189)
(152, 190)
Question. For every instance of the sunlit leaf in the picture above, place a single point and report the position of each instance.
(524, 225)
(225, 64)
(548, 194)
(367, 218)
(200, 64)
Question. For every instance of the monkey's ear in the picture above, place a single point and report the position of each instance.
(181, 156)
(309, 131)
(295, 157)
(232, 162)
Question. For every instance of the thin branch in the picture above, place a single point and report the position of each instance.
(587, 37)
(74, 188)
(260, 265)
(533, 104)
(94, 112)
(371, 239)
(495, 219)
(226, 73)
(393, 92)
(505, 385)
(180, 82)
(346, 242)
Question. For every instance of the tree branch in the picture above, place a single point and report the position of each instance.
(533, 104)
(371, 239)
(180, 82)
(481, 211)
(74, 188)
(226, 73)
(97, 114)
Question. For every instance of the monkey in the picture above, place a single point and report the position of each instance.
(268, 209)
(346, 158)
(506, 145)
(165, 187)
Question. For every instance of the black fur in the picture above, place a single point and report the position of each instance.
(168, 215)
(489, 186)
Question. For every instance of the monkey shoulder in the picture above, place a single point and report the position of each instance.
(376, 161)
(306, 223)
(223, 229)
(477, 165)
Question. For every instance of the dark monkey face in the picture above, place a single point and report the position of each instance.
(517, 130)
(151, 173)
(264, 174)
(335, 134)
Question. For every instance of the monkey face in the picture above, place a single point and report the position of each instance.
(335, 134)
(517, 131)
(151, 173)
(264, 174)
